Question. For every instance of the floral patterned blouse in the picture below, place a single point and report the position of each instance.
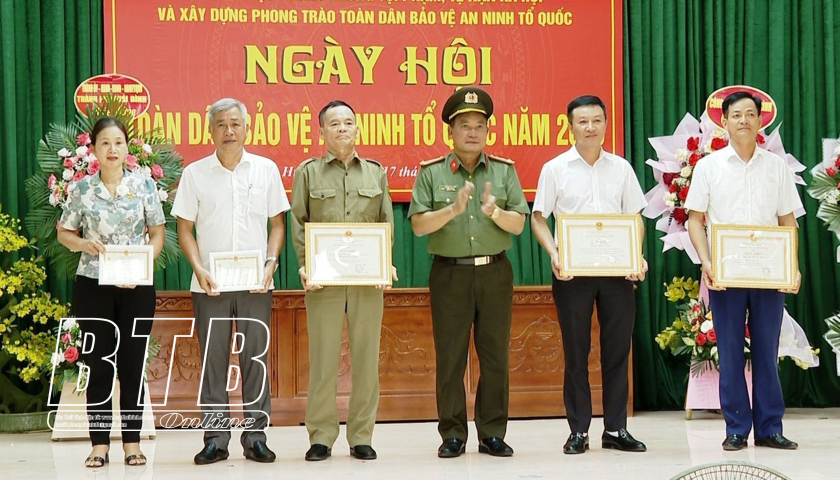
(118, 220)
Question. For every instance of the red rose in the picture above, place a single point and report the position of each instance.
(837, 162)
(830, 171)
(83, 139)
(79, 175)
(683, 193)
(667, 178)
(701, 339)
(693, 143)
(711, 335)
(718, 143)
(673, 187)
(747, 331)
(694, 158)
(680, 215)
(760, 139)
(71, 354)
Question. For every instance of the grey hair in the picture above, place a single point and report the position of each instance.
(224, 105)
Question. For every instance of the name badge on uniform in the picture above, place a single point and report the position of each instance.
(449, 188)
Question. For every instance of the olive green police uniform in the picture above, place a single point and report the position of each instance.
(471, 284)
(325, 191)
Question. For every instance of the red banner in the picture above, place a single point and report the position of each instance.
(395, 62)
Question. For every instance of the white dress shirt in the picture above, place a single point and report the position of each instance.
(732, 191)
(230, 208)
(569, 185)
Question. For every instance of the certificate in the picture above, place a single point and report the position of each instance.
(237, 271)
(127, 265)
(751, 256)
(600, 245)
(348, 253)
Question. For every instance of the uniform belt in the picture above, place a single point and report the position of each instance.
(472, 261)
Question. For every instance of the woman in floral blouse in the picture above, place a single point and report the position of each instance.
(112, 206)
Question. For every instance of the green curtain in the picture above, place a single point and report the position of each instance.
(676, 54)
(47, 48)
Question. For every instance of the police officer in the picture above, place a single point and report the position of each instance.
(469, 203)
(340, 187)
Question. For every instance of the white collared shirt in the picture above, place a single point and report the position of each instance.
(732, 191)
(230, 208)
(569, 185)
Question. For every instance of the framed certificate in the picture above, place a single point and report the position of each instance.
(127, 265)
(237, 271)
(600, 245)
(348, 253)
(751, 256)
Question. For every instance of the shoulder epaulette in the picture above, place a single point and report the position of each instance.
(501, 159)
(374, 162)
(308, 160)
(426, 163)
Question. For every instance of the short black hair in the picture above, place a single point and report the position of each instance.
(737, 97)
(584, 101)
(102, 124)
(333, 104)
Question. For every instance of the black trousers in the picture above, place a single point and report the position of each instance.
(477, 299)
(121, 306)
(574, 300)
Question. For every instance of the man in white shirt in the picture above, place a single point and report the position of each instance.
(746, 185)
(229, 197)
(588, 180)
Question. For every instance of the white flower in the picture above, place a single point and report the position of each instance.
(64, 153)
(706, 326)
(686, 171)
(69, 323)
(122, 190)
(57, 358)
(146, 171)
(82, 151)
(682, 182)
(147, 148)
(835, 153)
(682, 155)
(67, 175)
(670, 199)
(163, 195)
(53, 199)
(719, 133)
(708, 147)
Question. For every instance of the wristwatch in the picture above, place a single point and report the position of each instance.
(271, 259)
(496, 212)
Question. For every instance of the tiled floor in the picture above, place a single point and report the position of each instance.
(408, 451)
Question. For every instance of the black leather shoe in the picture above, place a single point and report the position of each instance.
(210, 454)
(577, 443)
(259, 452)
(451, 448)
(777, 440)
(734, 443)
(495, 446)
(318, 452)
(363, 452)
(624, 442)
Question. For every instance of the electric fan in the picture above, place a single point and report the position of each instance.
(730, 471)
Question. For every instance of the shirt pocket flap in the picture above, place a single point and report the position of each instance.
(370, 192)
(444, 197)
(322, 193)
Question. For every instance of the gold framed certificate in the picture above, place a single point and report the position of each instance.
(348, 253)
(600, 245)
(237, 271)
(127, 265)
(751, 256)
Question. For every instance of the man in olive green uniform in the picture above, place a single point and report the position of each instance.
(340, 187)
(469, 204)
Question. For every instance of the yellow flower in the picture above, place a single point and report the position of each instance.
(674, 293)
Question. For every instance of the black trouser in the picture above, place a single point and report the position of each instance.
(466, 297)
(616, 314)
(121, 306)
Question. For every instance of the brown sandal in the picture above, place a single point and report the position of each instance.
(139, 458)
(102, 461)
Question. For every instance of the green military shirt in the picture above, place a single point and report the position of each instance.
(471, 233)
(324, 190)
